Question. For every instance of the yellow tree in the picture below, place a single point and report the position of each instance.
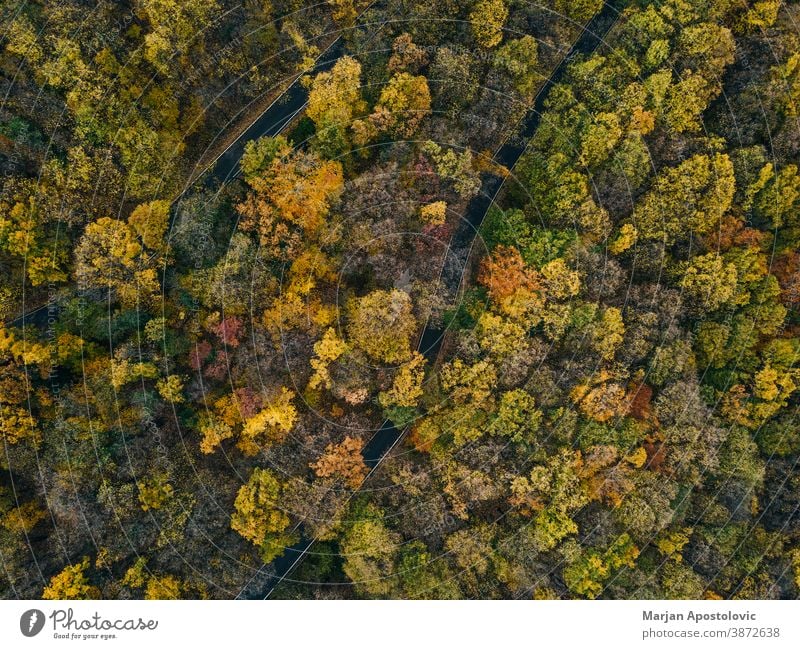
(258, 516)
(17, 420)
(171, 388)
(406, 388)
(149, 222)
(290, 199)
(326, 350)
(175, 27)
(691, 197)
(333, 101)
(609, 333)
(487, 19)
(110, 256)
(71, 583)
(403, 104)
(381, 325)
(271, 424)
(434, 213)
(709, 282)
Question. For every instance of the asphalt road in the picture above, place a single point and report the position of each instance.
(273, 120)
(388, 435)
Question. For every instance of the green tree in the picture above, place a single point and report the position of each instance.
(587, 574)
(518, 58)
(369, 549)
(517, 417)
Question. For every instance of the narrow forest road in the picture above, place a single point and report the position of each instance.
(388, 435)
(273, 121)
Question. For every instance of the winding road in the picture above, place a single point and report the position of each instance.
(272, 121)
(388, 435)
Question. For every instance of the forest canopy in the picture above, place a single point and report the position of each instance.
(497, 300)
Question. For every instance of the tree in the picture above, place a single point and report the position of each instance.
(343, 460)
(21, 520)
(624, 240)
(175, 26)
(407, 56)
(518, 58)
(707, 49)
(258, 517)
(344, 12)
(453, 79)
(468, 384)
(71, 583)
(552, 492)
(24, 233)
(560, 282)
(587, 574)
(17, 423)
(487, 19)
(646, 510)
(214, 431)
(290, 199)
(775, 195)
(498, 336)
(472, 548)
(578, 10)
(504, 272)
(685, 102)
(402, 105)
(458, 168)
(334, 99)
(599, 139)
(368, 548)
(149, 221)
(785, 85)
(259, 154)
(163, 587)
(517, 417)
(609, 333)
(109, 256)
(171, 388)
(18, 418)
(154, 492)
(381, 324)
(269, 425)
(434, 214)
(599, 399)
(328, 349)
(406, 387)
(709, 282)
(761, 15)
(692, 197)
